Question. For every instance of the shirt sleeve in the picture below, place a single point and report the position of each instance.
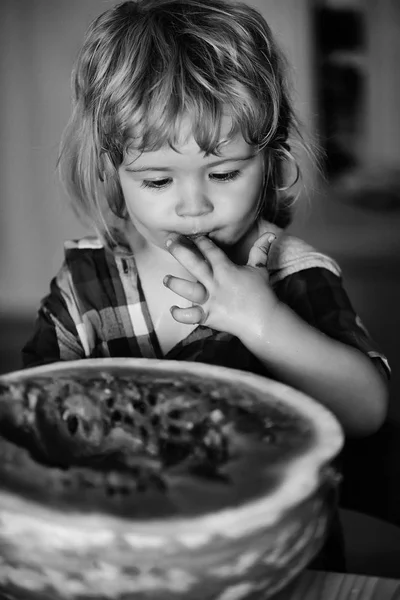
(318, 296)
(55, 336)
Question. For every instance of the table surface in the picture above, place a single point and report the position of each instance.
(320, 585)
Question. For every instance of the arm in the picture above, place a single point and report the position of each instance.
(55, 336)
(319, 356)
(339, 376)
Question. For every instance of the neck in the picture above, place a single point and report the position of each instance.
(142, 246)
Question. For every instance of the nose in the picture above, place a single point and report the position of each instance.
(193, 202)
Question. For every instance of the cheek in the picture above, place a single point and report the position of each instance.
(135, 201)
(146, 215)
(254, 189)
(245, 201)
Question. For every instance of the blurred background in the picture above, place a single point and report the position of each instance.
(345, 57)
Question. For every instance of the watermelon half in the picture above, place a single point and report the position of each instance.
(134, 478)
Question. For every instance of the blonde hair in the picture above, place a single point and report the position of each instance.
(146, 64)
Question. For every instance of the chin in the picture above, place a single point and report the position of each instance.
(229, 239)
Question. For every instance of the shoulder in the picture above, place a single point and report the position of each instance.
(89, 282)
(290, 254)
(87, 262)
(115, 246)
(90, 251)
(81, 259)
(83, 245)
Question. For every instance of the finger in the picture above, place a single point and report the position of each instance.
(191, 290)
(192, 315)
(214, 255)
(187, 254)
(258, 256)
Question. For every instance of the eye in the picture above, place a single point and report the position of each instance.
(156, 184)
(223, 177)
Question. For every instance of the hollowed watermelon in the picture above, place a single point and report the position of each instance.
(134, 478)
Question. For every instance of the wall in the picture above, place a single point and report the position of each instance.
(39, 40)
(382, 143)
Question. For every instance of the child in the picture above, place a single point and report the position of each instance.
(176, 153)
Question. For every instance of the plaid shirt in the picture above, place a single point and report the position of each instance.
(97, 308)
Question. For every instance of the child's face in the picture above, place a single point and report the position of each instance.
(168, 192)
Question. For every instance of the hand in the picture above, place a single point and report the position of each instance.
(226, 297)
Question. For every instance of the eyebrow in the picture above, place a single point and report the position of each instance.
(213, 164)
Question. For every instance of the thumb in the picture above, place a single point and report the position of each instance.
(258, 256)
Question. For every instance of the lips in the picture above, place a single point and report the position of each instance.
(192, 236)
(196, 235)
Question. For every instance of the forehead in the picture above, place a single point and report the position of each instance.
(186, 148)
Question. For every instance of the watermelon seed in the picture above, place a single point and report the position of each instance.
(144, 434)
(155, 420)
(110, 402)
(134, 471)
(72, 424)
(269, 437)
(140, 407)
(152, 399)
(116, 416)
(175, 414)
(160, 484)
(174, 430)
(195, 389)
(141, 486)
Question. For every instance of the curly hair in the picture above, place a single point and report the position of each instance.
(146, 64)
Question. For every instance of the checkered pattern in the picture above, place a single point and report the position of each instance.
(96, 308)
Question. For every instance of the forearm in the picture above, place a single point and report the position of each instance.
(337, 375)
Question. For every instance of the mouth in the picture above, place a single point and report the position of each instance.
(193, 236)
(196, 233)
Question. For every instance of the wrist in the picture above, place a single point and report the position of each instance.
(261, 327)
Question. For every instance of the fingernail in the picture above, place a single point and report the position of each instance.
(166, 280)
(168, 242)
(271, 238)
